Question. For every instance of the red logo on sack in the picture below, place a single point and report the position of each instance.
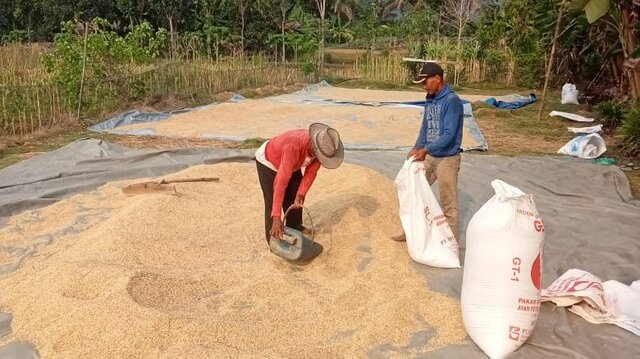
(535, 272)
(427, 215)
(514, 332)
(537, 224)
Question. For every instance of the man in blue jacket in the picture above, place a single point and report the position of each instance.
(440, 137)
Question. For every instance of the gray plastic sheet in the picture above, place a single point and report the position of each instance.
(591, 222)
(307, 95)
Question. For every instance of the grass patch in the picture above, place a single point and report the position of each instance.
(374, 85)
(344, 56)
(519, 132)
(251, 143)
(493, 89)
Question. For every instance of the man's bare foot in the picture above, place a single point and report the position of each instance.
(400, 238)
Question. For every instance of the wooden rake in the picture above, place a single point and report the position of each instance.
(163, 185)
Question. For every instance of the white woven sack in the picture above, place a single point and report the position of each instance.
(430, 240)
(501, 282)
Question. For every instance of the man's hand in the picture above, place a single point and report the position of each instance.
(277, 228)
(299, 201)
(420, 154)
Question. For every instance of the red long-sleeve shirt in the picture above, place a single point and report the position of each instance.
(287, 152)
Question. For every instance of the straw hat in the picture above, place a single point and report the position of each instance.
(326, 145)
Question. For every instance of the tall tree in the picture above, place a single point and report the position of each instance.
(6, 16)
(277, 12)
(285, 7)
(322, 9)
(243, 6)
(459, 14)
(174, 12)
(133, 11)
(208, 15)
(344, 8)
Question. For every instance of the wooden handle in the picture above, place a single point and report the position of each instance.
(201, 179)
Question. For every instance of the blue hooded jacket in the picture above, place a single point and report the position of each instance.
(442, 123)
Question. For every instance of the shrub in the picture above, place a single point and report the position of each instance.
(611, 113)
(630, 131)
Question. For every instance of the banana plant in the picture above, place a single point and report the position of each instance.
(620, 16)
(593, 9)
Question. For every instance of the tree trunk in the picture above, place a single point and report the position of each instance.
(29, 27)
(242, 33)
(553, 51)
(283, 12)
(439, 23)
(321, 67)
(456, 76)
(629, 44)
(614, 71)
(284, 56)
(512, 70)
(373, 46)
(217, 49)
(322, 9)
(173, 44)
(84, 65)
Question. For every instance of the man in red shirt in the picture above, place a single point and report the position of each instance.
(279, 162)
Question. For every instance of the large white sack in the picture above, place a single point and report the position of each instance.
(585, 146)
(430, 240)
(569, 94)
(501, 282)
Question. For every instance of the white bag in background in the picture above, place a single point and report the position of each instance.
(501, 282)
(586, 295)
(572, 116)
(430, 240)
(585, 146)
(590, 129)
(569, 94)
(625, 305)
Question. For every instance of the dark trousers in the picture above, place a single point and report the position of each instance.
(266, 176)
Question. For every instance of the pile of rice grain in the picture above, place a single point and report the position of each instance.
(264, 118)
(190, 275)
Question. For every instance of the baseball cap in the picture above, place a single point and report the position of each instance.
(429, 69)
